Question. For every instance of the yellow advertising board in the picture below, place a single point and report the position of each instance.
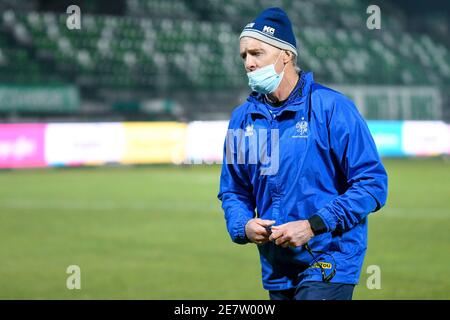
(159, 142)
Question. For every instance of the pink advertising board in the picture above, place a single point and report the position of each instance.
(22, 145)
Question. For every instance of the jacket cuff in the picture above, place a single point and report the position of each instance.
(318, 226)
(327, 218)
(240, 236)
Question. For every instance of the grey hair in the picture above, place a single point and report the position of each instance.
(294, 63)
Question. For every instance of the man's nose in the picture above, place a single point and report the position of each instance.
(250, 64)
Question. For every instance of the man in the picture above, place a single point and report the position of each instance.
(310, 224)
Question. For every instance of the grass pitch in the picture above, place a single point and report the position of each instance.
(158, 233)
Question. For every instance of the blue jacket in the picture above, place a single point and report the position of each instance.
(329, 168)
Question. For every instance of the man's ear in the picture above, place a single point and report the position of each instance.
(288, 56)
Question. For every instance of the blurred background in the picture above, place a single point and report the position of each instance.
(111, 138)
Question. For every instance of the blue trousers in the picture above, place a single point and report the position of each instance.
(315, 290)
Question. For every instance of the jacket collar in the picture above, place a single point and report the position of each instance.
(293, 103)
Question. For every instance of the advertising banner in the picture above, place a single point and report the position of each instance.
(425, 138)
(388, 137)
(158, 142)
(57, 98)
(205, 141)
(22, 145)
(83, 143)
(448, 134)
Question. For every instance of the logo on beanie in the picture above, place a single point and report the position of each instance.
(269, 30)
(250, 25)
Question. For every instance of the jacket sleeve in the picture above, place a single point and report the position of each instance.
(237, 198)
(355, 151)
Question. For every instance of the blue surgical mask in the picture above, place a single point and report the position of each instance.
(265, 80)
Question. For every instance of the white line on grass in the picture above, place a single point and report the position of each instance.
(105, 205)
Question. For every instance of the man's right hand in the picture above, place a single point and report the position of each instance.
(256, 231)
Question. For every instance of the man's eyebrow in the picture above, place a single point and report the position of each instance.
(251, 51)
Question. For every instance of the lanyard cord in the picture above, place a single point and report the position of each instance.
(325, 278)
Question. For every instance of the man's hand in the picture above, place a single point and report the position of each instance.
(293, 234)
(256, 232)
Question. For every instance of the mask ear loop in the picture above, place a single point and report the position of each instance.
(282, 71)
(277, 62)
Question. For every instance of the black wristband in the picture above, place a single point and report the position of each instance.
(317, 225)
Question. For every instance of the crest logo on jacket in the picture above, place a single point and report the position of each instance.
(249, 130)
(302, 129)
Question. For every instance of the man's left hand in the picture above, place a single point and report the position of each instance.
(292, 234)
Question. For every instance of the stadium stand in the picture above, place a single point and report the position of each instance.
(187, 49)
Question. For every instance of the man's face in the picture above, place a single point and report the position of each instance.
(257, 54)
